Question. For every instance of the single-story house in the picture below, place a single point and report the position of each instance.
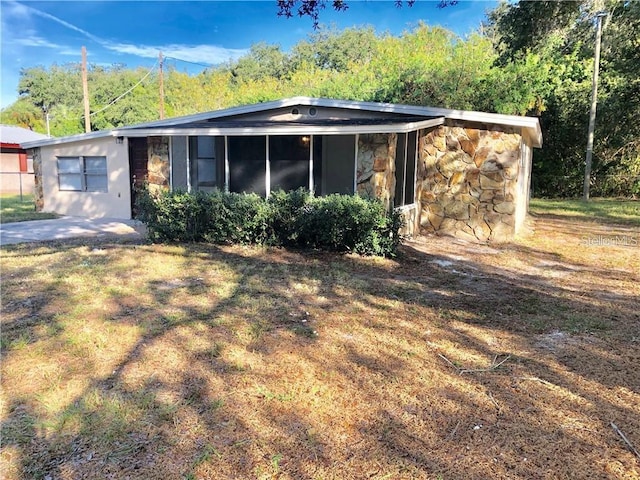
(16, 166)
(451, 172)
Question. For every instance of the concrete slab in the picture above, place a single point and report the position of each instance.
(68, 227)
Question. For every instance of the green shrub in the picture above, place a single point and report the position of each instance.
(340, 223)
(285, 208)
(347, 223)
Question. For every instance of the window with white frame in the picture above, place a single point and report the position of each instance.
(82, 174)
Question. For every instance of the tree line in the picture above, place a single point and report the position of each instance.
(529, 58)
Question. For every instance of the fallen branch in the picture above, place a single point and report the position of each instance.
(448, 361)
(494, 401)
(536, 379)
(629, 444)
(491, 367)
(455, 429)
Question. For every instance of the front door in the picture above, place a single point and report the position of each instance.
(138, 168)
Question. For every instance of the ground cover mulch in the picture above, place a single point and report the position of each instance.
(453, 361)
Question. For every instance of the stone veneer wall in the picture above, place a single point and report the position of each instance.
(38, 192)
(467, 182)
(158, 163)
(375, 171)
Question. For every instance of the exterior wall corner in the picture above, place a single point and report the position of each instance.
(468, 182)
(38, 192)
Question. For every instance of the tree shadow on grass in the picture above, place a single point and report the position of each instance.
(276, 364)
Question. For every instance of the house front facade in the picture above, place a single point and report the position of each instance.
(450, 172)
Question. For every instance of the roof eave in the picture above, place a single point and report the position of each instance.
(283, 129)
(530, 125)
(69, 139)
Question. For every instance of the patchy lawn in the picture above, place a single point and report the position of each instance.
(15, 209)
(455, 361)
(607, 210)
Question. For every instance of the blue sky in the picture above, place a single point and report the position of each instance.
(202, 32)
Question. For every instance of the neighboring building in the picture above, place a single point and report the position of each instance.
(451, 172)
(16, 167)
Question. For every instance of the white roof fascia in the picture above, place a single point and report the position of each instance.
(284, 129)
(81, 137)
(531, 124)
(227, 112)
(464, 115)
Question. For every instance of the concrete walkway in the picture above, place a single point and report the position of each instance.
(68, 227)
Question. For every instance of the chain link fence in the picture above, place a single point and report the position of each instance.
(18, 183)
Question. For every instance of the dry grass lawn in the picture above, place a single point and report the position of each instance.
(454, 361)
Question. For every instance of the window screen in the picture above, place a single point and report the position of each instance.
(247, 164)
(289, 161)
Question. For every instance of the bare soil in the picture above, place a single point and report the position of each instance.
(453, 361)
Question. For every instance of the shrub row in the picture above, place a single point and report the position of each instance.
(341, 223)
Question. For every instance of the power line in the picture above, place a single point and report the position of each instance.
(128, 91)
(188, 61)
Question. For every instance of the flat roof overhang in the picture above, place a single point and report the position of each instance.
(330, 127)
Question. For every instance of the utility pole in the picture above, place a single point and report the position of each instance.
(594, 102)
(46, 116)
(160, 61)
(85, 92)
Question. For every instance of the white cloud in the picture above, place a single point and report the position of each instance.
(209, 54)
(15, 9)
(64, 23)
(34, 41)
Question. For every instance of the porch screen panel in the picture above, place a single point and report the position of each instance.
(338, 157)
(405, 164)
(247, 164)
(401, 149)
(289, 161)
(206, 169)
(410, 170)
(179, 163)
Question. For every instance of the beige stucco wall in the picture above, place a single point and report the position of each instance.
(524, 184)
(115, 203)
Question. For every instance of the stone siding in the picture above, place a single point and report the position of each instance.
(466, 182)
(158, 163)
(38, 191)
(376, 176)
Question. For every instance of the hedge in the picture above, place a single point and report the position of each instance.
(340, 223)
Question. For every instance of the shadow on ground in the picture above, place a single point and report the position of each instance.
(246, 363)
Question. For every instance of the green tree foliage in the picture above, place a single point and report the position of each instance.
(532, 58)
(106, 85)
(560, 36)
(24, 114)
(330, 49)
(262, 61)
